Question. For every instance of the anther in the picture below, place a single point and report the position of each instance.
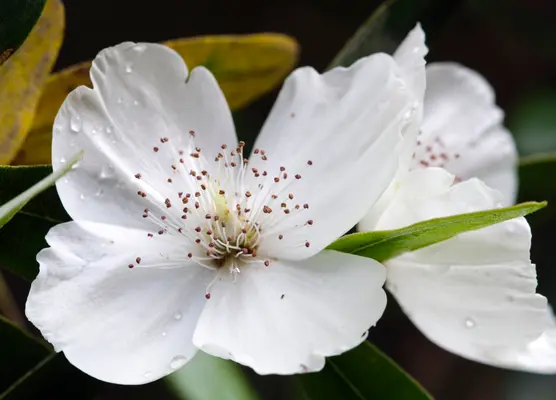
(266, 263)
(297, 176)
(130, 266)
(160, 232)
(138, 176)
(309, 162)
(138, 260)
(247, 194)
(169, 180)
(305, 205)
(189, 255)
(290, 196)
(198, 229)
(267, 209)
(307, 244)
(192, 133)
(221, 192)
(280, 236)
(155, 149)
(310, 222)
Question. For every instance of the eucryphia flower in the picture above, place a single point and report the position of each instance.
(179, 243)
(474, 294)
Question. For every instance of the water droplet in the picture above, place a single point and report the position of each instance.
(93, 131)
(75, 123)
(178, 315)
(139, 48)
(106, 172)
(178, 362)
(82, 196)
(128, 69)
(135, 103)
(63, 160)
(148, 374)
(470, 323)
(163, 334)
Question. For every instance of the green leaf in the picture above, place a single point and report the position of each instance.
(383, 245)
(17, 18)
(361, 374)
(390, 23)
(536, 182)
(20, 352)
(12, 207)
(53, 375)
(32, 217)
(207, 377)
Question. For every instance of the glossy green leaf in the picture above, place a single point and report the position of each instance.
(32, 222)
(207, 377)
(390, 23)
(536, 182)
(13, 206)
(17, 18)
(383, 245)
(363, 373)
(20, 352)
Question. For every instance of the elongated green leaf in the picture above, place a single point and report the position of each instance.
(536, 182)
(20, 352)
(363, 373)
(12, 207)
(383, 245)
(207, 377)
(33, 221)
(17, 17)
(390, 23)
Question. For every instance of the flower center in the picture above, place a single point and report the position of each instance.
(223, 208)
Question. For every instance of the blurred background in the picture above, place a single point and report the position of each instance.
(511, 43)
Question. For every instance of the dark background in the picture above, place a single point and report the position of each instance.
(511, 43)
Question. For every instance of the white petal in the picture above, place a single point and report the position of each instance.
(410, 57)
(348, 123)
(287, 318)
(473, 295)
(462, 130)
(120, 325)
(140, 97)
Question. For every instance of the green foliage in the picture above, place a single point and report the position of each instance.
(390, 23)
(383, 245)
(363, 373)
(17, 18)
(207, 377)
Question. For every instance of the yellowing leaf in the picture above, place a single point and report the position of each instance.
(246, 66)
(23, 76)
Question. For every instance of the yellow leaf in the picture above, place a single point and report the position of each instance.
(23, 75)
(246, 66)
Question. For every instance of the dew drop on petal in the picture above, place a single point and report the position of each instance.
(128, 69)
(178, 315)
(63, 160)
(135, 103)
(470, 323)
(82, 196)
(178, 362)
(163, 334)
(75, 123)
(106, 172)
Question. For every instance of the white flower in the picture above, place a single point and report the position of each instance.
(473, 295)
(178, 243)
(462, 130)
